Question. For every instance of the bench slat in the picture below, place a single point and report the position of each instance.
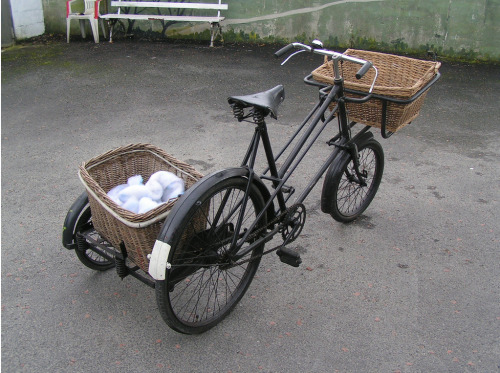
(162, 4)
(163, 17)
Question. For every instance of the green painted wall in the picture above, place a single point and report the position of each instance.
(466, 29)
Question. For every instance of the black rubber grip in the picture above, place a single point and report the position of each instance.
(283, 50)
(367, 66)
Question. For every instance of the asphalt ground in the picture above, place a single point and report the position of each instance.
(411, 286)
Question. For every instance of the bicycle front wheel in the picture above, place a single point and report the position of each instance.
(204, 284)
(349, 196)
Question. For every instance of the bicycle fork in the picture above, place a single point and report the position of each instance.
(360, 176)
(351, 144)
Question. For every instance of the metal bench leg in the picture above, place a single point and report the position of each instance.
(215, 30)
(111, 25)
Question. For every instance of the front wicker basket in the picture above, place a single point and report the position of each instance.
(399, 78)
(115, 224)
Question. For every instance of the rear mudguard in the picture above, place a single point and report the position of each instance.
(332, 170)
(178, 212)
(159, 256)
(76, 209)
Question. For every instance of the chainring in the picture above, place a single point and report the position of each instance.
(293, 224)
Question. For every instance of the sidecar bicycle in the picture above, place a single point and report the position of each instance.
(201, 251)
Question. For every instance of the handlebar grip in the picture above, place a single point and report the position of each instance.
(367, 66)
(283, 50)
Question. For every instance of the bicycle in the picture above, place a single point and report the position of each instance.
(211, 243)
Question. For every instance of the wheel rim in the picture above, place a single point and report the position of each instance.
(97, 259)
(353, 197)
(93, 257)
(89, 257)
(203, 287)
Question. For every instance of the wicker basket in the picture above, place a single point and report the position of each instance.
(399, 78)
(137, 231)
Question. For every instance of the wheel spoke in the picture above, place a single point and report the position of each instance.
(351, 196)
(202, 287)
(88, 257)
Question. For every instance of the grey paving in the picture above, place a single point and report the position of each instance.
(412, 286)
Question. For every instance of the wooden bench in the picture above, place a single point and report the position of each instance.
(125, 6)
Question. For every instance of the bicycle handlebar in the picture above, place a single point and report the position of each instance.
(367, 65)
(284, 50)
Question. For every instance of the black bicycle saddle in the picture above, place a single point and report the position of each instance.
(268, 100)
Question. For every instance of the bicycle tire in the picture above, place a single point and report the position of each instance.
(201, 289)
(348, 198)
(88, 257)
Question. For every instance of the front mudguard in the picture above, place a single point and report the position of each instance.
(74, 213)
(176, 218)
(326, 194)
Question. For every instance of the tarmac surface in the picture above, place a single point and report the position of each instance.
(411, 286)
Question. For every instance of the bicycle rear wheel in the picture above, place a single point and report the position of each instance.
(349, 198)
(203, 285)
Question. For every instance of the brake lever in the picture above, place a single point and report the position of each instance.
(374, 79)
(293, 54)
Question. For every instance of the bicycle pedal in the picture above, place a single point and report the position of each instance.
(289, 256)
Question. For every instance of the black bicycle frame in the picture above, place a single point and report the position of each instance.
(281, 176)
